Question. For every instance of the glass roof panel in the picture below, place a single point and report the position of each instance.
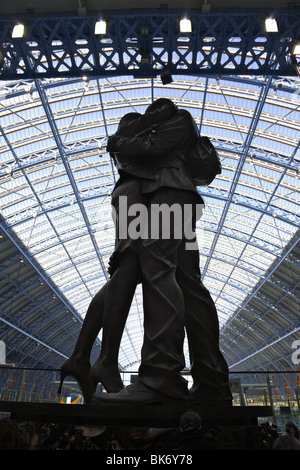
(56, 179)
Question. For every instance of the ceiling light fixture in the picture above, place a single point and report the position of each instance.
(295, 56)
(18, 31)
(296, 48)
(185, 25)
(100, 27)
(271, 25)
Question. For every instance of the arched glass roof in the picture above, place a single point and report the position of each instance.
(56, 178)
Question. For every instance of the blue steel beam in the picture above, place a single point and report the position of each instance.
(264, 348)
(268, 204)
(113, 169)
(259, 312)
(104, 191)
(26, 257)
(231, 233)
(233, 336)
(266, 307)
(246, 146)
(233, 344)
(40, 203)
(89, 145)
(31, 307)
(259, 317)
(279, 262)
(222, 42)
(15, 327)
(203, 105)
(60, 147)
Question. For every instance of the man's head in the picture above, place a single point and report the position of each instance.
(160, 104)
(161, 109)
(189, 419)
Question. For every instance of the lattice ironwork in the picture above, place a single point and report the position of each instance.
(144, 42)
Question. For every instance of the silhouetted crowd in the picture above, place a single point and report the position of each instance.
(189, 435)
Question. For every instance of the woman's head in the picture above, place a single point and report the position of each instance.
(128, 123)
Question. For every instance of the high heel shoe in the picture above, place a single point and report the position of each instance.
(109, 377)
(80, 374)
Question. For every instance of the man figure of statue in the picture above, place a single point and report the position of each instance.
(174, 296)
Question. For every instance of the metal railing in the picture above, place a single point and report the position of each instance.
(279, 390)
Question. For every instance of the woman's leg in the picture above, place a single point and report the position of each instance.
(118, 299)
(78, 365)
(91, 327)
(108, 309)
(125, 274)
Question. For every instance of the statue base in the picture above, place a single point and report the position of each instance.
(132, 415)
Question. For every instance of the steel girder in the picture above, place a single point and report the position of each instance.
(104, 190)
(68, 170)
(38, 324)
(267, 322)
(145, 42)
(245, 150)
